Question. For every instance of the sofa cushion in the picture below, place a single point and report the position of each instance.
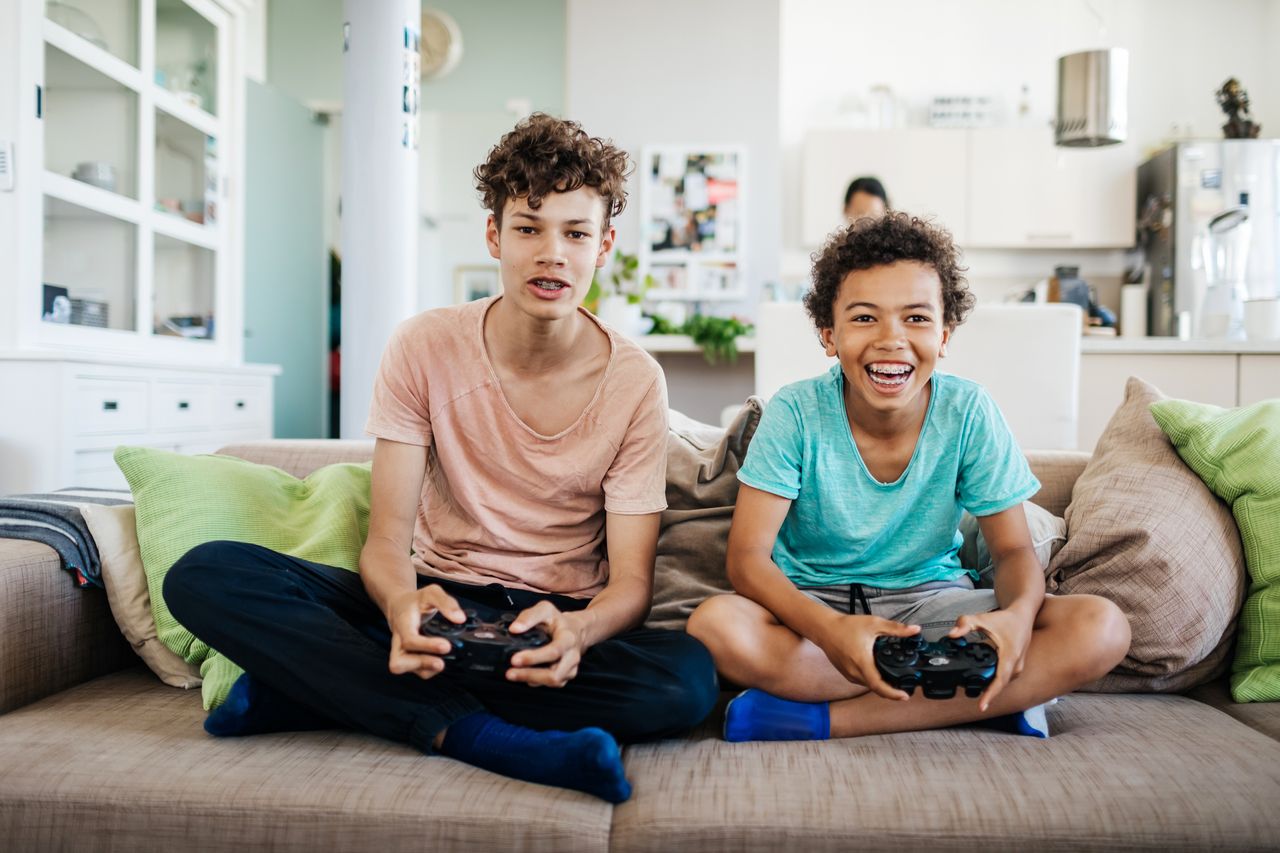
(184, 501)
(1048, 535)
(1263, 716)
(1237, 454)
(1145, 532)
(113, 531)
(1120, 772)
(121, 763)
(702, 487)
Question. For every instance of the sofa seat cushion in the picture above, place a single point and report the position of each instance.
(1121, 771)
(122, 763)
(1263, 716)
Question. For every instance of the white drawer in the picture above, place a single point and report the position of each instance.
(243, 405)
(181, 405)
(110, 405)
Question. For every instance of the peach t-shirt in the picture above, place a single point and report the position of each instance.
(501, 503)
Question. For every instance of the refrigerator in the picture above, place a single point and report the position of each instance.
(1208, 210)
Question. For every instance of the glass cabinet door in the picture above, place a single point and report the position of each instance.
(186, 171)
(111, 25)
(187, 55)
(90, 125)
(90, 268)
(185, 290)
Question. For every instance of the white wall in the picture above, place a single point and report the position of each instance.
(653, 72)
(1180, 53)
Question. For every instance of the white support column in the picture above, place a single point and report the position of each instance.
(379, 190)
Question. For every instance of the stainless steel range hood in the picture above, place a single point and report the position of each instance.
(1093, 98)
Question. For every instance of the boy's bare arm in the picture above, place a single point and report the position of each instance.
(1019, 588)
(632, 542)
(385, 568)
(846, 640)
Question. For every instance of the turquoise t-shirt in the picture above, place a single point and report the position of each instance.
(844, 526)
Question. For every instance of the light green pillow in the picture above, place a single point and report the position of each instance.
(1237, 454)
(184, 501)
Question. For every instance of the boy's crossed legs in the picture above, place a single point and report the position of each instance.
(1076, 639)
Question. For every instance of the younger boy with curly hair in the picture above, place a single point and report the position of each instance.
(846, 525)
(521, 452)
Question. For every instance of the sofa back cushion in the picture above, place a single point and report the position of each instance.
(1237, 454)
(184, 501)
(1145, 532)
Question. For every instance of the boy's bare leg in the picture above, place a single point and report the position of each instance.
(1075, 640)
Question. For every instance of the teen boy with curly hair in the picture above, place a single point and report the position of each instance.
(846, 523)
(521, 452)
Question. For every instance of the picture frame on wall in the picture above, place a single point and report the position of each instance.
(475, 282)
(693, 217)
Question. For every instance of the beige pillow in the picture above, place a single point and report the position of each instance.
(1146, 533)
(113, 530)
(702, 488)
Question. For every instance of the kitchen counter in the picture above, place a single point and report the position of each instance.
(1088, 344)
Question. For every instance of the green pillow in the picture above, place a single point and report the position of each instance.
(1237, 454)
(184, 501)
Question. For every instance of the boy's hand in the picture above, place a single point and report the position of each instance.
(410, 650)
(1010, 633)
(849, 646)
(556, 663)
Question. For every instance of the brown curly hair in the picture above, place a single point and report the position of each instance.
(874, 242)
(544, 155)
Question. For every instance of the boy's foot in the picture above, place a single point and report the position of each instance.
(756, 715)
(586, 760)
(1032, 722)
(253, 708)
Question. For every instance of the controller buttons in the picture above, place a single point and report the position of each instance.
(939, 660)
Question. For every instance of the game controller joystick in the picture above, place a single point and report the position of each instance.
(483, 645)
(937, 667)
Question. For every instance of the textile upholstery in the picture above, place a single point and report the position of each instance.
(1237, 454)
(702, 487)
(158, 782)
(184, 501)
(1120, 772)
(1145, 532)
(53, 634)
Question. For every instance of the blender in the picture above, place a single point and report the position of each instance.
(1226, 257)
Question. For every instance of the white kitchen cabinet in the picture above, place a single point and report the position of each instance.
(66, 417)
(923, 170)
(1024, 192)
(993, 188)
(1259, 378)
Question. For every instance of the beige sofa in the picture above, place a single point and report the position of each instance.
(97, 754)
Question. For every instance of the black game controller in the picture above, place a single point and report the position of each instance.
(482, 646)
(939, 667)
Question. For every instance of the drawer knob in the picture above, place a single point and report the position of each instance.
(239, 404)
(183, 405)
(110, 405)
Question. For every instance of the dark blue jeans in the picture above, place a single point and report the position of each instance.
(311, 633)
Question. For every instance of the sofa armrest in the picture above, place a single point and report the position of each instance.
(53, 635)
(1057, 471)
(301, 456)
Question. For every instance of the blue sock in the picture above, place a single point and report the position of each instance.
(1032, 722)
(756, 715)
(587, 760)
(253, 708)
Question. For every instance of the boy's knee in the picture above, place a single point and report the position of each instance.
(196, 570)
(712, 620)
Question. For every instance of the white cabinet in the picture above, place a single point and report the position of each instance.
(121, 276)
(1259, 378)
(922, 169)
(128, 129)
(993, 188)
(1223, 379)
(1024, 192)
(64, 418)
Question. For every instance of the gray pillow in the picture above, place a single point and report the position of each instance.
(702, 487)
(1048, 534)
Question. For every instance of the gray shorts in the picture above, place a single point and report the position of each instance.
(934, 606)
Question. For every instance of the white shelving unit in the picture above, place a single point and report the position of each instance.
(127, 249)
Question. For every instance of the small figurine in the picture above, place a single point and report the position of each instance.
(1235, 103)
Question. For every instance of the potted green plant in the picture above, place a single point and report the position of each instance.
(615, 296)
